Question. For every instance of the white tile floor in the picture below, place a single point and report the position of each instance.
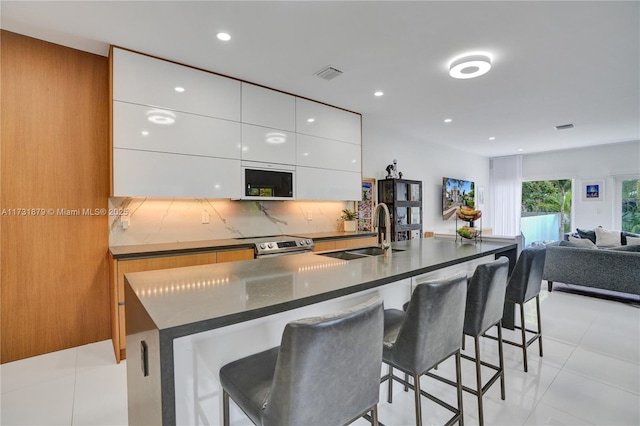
(589, 375)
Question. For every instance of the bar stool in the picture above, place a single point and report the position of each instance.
(524, 285)
(325, 372)
(484, 307)
(429, 332)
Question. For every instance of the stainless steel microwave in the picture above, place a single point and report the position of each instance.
(264, 181)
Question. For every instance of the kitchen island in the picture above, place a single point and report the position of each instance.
(185, 323)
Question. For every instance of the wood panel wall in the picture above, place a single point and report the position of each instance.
(53, 155)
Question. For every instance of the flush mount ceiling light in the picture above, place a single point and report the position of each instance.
(223, 36)
(470, 65)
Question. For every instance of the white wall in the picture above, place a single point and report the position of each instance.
(425, 161)
(609, 163)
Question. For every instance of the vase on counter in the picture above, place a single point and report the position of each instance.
(349, 226)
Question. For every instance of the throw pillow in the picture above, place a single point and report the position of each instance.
(582, 242)
(605, 238)
(624, 236)
(588, 234)
(630, 248)
(633, 241)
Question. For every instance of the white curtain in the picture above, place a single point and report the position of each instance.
(506, 194)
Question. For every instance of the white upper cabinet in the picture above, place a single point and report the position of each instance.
(268, 145)
(144, 80)
(268, 108)
(154, 129)
(322, 184)
(315, 119)
(158, 174)
(313, 151)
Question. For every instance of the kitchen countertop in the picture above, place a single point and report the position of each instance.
(145, 250)
(189, 300)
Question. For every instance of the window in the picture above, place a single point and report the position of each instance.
(546, 209)
(630, 202)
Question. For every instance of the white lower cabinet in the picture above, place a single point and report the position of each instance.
(313, 151)
(323, 184)
(158, 174)
(154, 129)
(268, 145)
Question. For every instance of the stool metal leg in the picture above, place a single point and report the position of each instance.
(374, 415)
(225, 408)
(524, 338)
(539, 324)
(459, 387)
(476, 340)
(501, 360)
(416, 388)
(390, 388)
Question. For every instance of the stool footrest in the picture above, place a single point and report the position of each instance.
(457, 413)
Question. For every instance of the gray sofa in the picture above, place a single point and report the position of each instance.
(615, 269)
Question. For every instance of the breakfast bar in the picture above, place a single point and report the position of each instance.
(183, 324)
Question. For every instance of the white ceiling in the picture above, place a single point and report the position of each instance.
(555, 62)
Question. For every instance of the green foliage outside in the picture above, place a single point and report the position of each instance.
(630, 201)
(549, 196)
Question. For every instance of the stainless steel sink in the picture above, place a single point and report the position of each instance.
(344, 255)
(352, 254)
(372, 251)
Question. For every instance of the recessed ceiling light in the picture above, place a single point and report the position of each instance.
(311, 120)
(470, 65)
(223, 36)
(448, 120)
(520, 149)
(145, 133)
(378, 93)
(179, 89)
(492, 138)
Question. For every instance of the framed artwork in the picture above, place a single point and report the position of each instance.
(366, 204)
(593, 190)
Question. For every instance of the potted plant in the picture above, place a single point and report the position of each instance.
(349, 217)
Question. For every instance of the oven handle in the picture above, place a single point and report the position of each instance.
(262, 256)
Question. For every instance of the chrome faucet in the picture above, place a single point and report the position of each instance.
(386, 236)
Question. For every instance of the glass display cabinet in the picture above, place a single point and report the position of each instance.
(404, 199)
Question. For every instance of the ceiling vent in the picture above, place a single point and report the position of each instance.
(329, 73)
(564, 127)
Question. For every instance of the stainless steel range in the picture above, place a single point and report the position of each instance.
(281, 245)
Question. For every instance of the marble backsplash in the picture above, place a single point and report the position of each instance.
(165, 220)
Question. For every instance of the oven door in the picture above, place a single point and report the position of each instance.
(263, 181)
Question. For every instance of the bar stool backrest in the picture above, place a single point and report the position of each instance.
(526, 278)
(485, 296)
(328, 368)
(432, 328)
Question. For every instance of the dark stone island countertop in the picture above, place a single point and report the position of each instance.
(189, 300)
